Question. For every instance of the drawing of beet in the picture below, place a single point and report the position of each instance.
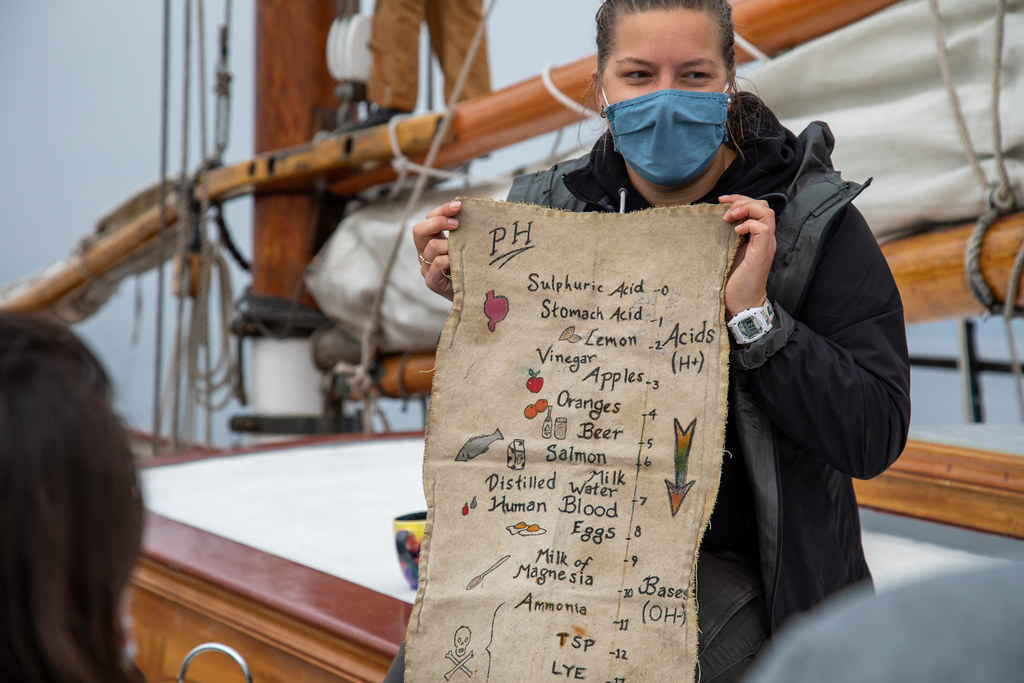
(495, 308)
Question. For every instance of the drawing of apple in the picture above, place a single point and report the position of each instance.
(535, 383)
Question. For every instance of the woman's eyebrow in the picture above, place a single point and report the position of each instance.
(636, 61)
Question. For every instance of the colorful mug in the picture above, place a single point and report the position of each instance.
(408, 536)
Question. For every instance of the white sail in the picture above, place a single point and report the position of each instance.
(879, 86)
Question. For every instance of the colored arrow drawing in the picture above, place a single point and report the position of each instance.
(678, 489)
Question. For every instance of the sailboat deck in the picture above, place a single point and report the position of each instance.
(291, 549)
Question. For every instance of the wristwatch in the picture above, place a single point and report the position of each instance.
(750, 325)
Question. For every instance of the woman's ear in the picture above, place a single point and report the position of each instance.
(595, 92)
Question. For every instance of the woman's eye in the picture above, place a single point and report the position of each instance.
(637, 75)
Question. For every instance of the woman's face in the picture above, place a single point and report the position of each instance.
(660, 50)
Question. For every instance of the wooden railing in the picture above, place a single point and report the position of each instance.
(289, 622)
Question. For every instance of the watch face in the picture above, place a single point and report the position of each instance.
(749, 326)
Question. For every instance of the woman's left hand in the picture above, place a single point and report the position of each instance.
(748, 280)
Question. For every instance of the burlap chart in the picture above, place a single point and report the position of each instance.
(573, 445)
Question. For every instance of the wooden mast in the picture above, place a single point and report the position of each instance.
(293, 90)
(292, 82)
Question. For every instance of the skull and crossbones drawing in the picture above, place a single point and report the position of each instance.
(459, 657)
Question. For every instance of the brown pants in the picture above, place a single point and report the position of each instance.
(394, 49)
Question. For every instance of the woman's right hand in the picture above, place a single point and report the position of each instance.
(432, 247)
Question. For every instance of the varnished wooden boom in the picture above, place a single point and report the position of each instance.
(775, 25)
(931, 275)
(965, 487)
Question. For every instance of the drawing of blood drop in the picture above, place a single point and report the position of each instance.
(495, 308)
(465, 509)
(473, 504)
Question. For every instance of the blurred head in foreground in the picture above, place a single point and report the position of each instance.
(70, 510)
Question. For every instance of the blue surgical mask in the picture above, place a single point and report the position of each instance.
(669, 137)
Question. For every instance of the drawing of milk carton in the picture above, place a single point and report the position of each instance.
(516, 455)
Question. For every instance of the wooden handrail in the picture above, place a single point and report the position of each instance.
(291, 622)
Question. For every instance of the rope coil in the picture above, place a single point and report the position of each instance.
(1001, 200)
(1000, 194)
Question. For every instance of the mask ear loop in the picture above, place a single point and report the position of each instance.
(728, 103)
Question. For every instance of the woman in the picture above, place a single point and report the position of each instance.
(70, 512)
(819, 389)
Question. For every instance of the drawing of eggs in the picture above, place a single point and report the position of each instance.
(524, 529)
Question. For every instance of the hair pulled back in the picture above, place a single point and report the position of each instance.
(746, 108)
(610, 11)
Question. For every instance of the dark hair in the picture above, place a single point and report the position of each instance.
(745, 107)
(70, 509)
(610, 11)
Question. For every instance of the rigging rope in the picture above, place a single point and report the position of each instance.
(1011, 295)
(751, 48)
(161, 226)
(208, 376)
(563, 99)
(359, 375)
(958, 114)
(193, 363)
(1007, 199)
(199, 334)
(1000, 195)
(403, 164)
(185, 217)
(223, 89)
(198, 338)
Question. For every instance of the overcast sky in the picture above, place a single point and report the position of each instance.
(80, 124)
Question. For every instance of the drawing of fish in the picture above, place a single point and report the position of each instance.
(477, 445)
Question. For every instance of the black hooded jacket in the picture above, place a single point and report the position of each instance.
(819, 400)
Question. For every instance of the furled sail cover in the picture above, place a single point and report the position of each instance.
(346, 274)
(878, 85)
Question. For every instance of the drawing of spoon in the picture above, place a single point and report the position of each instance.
(477, 579)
